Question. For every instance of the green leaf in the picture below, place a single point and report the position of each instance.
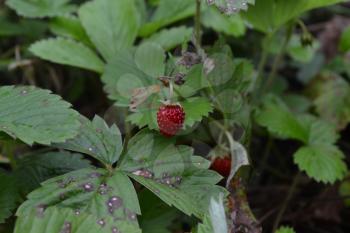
(319, 131)
(302, 53)
(112, 25)
(41, 8)
(33, 169)
(67, 52)
(195, 109)
(280, 121)
(331, 96)
(171, 172)
(96, 139)
(92, 191)
(243, 77)
(229, 101)
(230, 25)
(9, 195)
(170, 38)
(297, 103)
(69, 26)
(122, 75)
(59, 220)
(321, 162)
(168, 12)
(156, 216)
(223, 69)
(35, 115)
(344, 44)
(284, 229)
(154, 67)
(146, 116)
(206, 226)
(269, 15)
(195, 80)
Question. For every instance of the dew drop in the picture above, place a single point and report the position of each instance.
(115, 230)
(144, 172)
(95, 175)
(90, 149)
(88, 187)
(24, 92)
(77, 212)
(101, 222)
(103, 189)
(132, 216)
(210, 2)
(114, 203)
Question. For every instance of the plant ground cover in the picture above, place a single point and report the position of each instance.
(174, 116)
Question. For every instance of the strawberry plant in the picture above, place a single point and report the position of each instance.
(201, 116)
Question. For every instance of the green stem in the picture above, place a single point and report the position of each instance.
(109, 168)
(279, 57)
(127, 127)
(290, 194)
(260, 75)
(197, 26)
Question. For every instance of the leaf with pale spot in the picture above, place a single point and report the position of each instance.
(61, 220)
(171, 172)
(92, 191)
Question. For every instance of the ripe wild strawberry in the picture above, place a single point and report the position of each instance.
(170, 119)
(222, 165)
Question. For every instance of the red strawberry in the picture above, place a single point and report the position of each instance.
(222, 165)
(170, 119)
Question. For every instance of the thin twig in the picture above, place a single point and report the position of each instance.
(286, 201)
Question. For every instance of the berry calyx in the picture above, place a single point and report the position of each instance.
(222, 165)
(170, 119)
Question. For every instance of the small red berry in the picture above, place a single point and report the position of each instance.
(170, 119)
(222, 165)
